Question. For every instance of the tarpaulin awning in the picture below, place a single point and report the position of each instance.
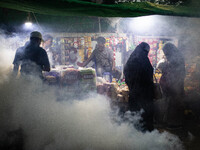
(82, 8)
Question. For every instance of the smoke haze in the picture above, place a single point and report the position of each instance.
(47, 124)
(72, 124)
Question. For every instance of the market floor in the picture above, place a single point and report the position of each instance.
(189, 134)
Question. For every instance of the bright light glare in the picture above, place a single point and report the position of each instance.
(28, 24)
(143, 23)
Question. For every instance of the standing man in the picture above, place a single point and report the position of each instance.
(102, 57)
(54, 56)
(32, 58)
(47, 43)
(138, 73)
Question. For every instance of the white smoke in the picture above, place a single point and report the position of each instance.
(8, 48)
(88, 124)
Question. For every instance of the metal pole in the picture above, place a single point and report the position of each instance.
(99, 20)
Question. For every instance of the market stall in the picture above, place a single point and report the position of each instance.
(71, 48)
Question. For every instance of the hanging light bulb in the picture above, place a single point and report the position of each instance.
(28, 23)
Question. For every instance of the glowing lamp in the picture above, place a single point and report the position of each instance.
(28, 24)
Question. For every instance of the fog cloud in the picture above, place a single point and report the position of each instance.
(47, 124)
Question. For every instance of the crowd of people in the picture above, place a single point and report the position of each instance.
(138, 73)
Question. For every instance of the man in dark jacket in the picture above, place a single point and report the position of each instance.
(138, 73)
(32, 58)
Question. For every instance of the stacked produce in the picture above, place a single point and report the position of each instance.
(115, 91)
(52, 77)
(87, 79)
(123, 93)
(192, 80)
(84, 80)
(69, 76)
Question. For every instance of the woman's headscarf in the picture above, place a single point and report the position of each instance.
(141, 50)
(138, 66)
(173, 55)
(175, 59)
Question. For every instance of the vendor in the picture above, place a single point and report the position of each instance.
(31, 58)
(47, 43)
(103, 58)
(53, 55)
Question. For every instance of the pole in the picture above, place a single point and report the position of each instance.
(99, 20)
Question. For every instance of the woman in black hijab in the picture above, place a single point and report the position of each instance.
(172, 84)
(173, 72)
(138, 73)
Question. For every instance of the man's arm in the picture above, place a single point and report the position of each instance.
(15, 69)
(46, 68)
(112, 59)
(16, 63)
(45, 62)
(87, 61)
(113, 64)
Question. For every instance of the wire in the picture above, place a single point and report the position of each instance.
(37, 22)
